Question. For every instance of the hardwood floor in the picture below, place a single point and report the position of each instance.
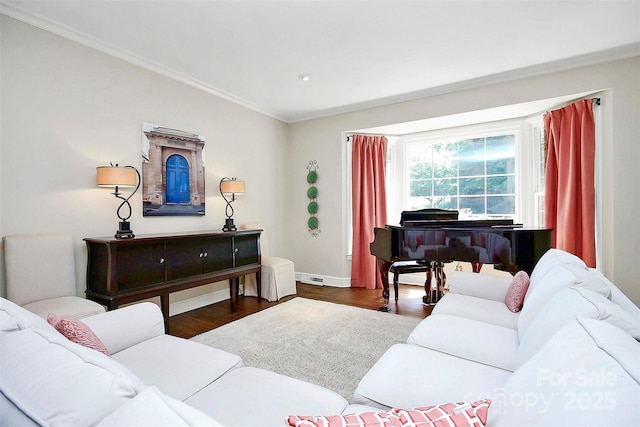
(203, 319)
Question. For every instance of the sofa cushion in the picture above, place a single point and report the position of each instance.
(587, 374)
(557, 278)
(516, 292)
(178, 367)
(251, 396)
(470, 339)
(564, 307)
(407, 376)
(67, 305)
(484, 310)
(151, 408)
(76, 331)
(56, 382)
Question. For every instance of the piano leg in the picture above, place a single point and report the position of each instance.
(384, 267)
(427, 286)
(432, 296)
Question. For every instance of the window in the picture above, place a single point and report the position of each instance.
(485, 171)
(476, 176)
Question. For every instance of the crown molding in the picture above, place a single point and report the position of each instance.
(608, 55)
(86, 40)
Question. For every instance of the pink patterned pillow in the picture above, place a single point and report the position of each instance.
(446, 415)
(449, 414)
(516, 292)
(76, 331)
(366, 419)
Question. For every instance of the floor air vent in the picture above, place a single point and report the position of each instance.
(312, 280)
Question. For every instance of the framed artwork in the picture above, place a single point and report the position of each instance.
(172, 172)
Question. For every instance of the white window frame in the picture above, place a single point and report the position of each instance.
(524, 170)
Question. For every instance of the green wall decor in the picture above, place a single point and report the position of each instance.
(312, 194)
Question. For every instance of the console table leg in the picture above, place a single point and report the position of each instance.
(232, 292)
(164, 306)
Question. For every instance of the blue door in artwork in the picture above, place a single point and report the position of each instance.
(177, 179)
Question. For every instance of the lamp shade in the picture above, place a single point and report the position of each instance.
(232, 187)
(111, 176)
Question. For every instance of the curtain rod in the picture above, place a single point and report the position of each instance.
(365, 134)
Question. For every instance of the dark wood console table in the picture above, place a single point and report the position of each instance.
(121, 271)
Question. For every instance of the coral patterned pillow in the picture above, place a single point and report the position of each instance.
(76, 331)
(449, 414)
(516, 292)
(366, 419)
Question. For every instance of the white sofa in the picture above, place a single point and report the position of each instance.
(151, 379)
(569, 357)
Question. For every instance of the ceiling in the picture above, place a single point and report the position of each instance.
(359, 54)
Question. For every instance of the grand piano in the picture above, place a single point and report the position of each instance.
(432, 237)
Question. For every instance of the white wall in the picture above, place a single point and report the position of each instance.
(321, 139)
(67, 108)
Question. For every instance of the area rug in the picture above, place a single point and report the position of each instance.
(332, 345)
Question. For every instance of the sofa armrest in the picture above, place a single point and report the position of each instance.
(125, 327)
(487, 286)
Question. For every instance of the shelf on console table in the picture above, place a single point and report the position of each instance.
(121, 271)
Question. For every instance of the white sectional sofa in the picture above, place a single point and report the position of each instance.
(151, 379)
(569, 357)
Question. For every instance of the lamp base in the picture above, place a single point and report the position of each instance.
(229, 225)
(124, 231)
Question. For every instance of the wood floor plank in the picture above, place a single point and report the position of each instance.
(194, 322)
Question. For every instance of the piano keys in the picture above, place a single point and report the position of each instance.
(506, 245)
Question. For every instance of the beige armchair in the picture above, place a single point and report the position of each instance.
(278, 274)
(41, 275)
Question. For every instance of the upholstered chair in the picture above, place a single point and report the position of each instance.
(278, 274)
(41, 275)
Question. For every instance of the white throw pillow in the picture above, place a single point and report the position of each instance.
(564, 307)
(557, 278)
(587, 374)
(552, 258)
(21, 318)
(57, 382)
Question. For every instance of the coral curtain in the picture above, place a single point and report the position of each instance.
(368, 206)
(569, 200)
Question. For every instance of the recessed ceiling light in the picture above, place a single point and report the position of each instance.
(304, 77)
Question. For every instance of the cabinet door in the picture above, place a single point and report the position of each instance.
(184, 258)
(246, 249)
(218, 253)
(139, 265)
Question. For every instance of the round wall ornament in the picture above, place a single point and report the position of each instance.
(312, 192)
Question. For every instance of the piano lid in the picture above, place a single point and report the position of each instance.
(428, 214)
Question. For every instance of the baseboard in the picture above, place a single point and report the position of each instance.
(322, 280)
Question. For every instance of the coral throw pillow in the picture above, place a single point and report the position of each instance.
(516, 292)
(449, 414)
(76, 331)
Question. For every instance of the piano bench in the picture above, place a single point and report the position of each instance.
(405, 267)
